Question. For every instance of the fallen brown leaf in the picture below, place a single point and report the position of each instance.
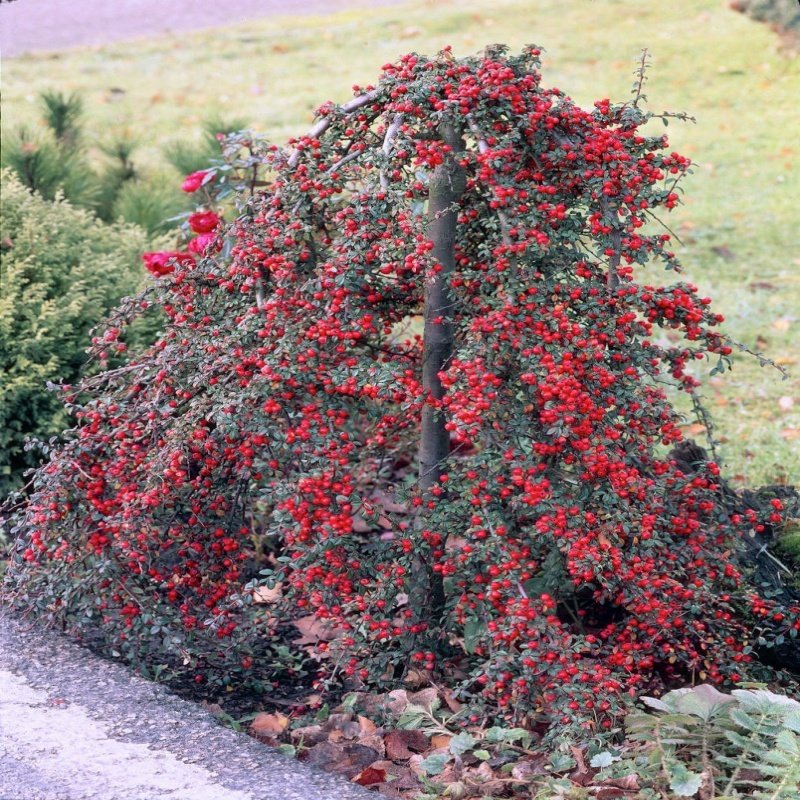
(484, 772)
(529, 769)
(416, 678)
(581, 775)
(269, 724)
(347, 760)
(450, 701)
(440, 740)
(401, 745)
(370, 776)
(630, 783)
(310, 734)
(313, 630)
(367, 725)
(398, 777)
(375, 742)
(424, 698)
(263, 594)
(342, 726)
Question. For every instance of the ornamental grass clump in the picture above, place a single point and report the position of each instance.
(416, 392)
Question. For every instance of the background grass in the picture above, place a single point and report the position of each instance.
(739, 226)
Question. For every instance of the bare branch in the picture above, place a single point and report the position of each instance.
(612, 281)
(325, 122)
(483, 147)
(344, 160)
(391, 132)
(641, 76)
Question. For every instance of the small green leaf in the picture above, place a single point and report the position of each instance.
(684, 782)
(434, 764)
(349, 702)
(473, 631)
(461, 742)
(604, 759)
(495, 735)
(561, 762)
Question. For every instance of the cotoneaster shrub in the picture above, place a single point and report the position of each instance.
(420, 388)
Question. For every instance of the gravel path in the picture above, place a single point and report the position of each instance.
(44, 25)
(76, 727)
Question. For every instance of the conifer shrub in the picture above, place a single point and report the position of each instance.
(56, 159)
(417, 392)
(62, 271)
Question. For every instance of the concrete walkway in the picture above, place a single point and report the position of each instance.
(74, 726)
(28, 26)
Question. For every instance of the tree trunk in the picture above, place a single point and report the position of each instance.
(446, 187)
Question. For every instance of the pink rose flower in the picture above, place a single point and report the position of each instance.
(191, 183)
(203, 221)
(163, 263)
(199, 244)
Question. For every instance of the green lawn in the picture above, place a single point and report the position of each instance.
(739, 226)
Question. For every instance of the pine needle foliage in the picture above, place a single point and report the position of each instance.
(62, 114)
(189, 157)
(35, 158)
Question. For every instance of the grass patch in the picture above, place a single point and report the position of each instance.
(738, 227)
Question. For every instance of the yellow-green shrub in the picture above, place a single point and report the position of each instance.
(61, 271)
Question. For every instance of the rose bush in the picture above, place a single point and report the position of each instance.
(419, 389)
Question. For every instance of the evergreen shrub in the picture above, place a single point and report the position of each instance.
(61, 272)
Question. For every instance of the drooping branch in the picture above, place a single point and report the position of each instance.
(391, 132)
(483, 147)
(325, 122)
(317, 130)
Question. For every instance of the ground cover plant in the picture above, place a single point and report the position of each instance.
(691, 742)
(549, 559)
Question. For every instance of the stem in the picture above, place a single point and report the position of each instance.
(447, 184)
(612, 279)
(483, 147)
(321, 125)
(388, 139)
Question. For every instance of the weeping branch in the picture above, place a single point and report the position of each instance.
(391, 132)
(483, 147)
(325, 122)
